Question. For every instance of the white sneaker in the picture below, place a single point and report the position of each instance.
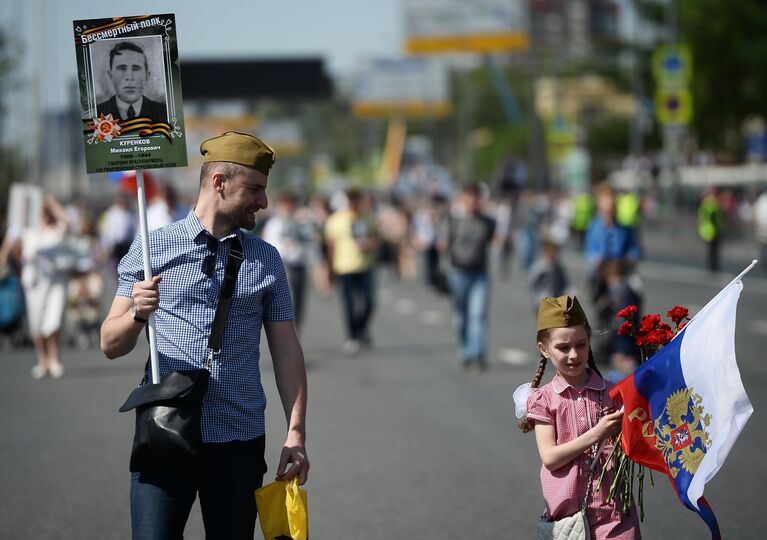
(56, 370)
(38, 372)
(351, 347)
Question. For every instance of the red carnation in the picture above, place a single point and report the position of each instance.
(625, 328)
(677, 314)
(627, 312)
(649, 322)
(661, 335)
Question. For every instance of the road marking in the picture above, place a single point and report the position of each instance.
(514, 357)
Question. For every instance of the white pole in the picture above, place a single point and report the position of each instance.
(140, 194)
(747, 270)
(743, 273)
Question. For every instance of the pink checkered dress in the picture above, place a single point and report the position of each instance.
(572, 413)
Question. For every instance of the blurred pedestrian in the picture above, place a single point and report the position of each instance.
(117, 228)
(628, 212)
(606, 240)
(322, 274)
(469, 237)
(583, 213)
(622, 351)
(547, 276)
(191, 255)
(760, 226)
(428, 221)
(353, 242)
(45, 272)
(292, 236)
(504, 219)
(711, 226)
(571, 416)
(159, 209)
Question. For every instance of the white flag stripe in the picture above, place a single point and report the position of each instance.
(709, 367)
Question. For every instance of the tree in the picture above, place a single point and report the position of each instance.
(728, 41)
(10, 165)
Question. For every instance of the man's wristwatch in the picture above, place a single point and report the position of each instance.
(136, 316)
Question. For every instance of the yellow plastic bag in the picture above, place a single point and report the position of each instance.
(283, 510)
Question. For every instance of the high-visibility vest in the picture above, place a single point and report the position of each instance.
(627, 210)
(583, 211)
(709, 218)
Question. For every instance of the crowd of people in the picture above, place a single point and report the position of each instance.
(459, 243)
(449, 242)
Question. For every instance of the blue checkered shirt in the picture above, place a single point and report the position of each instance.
(235, 402)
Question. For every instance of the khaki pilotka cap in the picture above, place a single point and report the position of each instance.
(239, 148)
(560, 312)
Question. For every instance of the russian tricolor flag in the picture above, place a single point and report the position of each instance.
(685, 407)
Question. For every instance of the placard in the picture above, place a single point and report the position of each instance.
(130, 93)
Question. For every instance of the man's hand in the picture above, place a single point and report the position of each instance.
(293, 454)
(146, 296)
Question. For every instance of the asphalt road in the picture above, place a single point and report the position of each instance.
(402, 442)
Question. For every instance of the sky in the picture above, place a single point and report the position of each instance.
(343, 32)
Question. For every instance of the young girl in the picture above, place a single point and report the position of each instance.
(569, 424)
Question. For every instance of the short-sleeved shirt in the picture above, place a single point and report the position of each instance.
(469, 239)
(609, 242)
(234, 404)
(573, 413)
(344, 228)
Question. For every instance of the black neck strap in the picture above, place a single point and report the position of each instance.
(233, 262)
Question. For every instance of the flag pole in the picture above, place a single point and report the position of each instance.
(141, 196)
(747, 270)
(739, 276)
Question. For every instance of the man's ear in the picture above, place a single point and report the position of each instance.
(217, 181)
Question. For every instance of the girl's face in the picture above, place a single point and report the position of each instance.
(568, 350)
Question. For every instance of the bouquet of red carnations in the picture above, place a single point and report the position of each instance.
(650, 336)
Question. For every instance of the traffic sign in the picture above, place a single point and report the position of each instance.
(672, 65)
(673, 106)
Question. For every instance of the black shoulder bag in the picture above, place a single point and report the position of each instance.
(168, 414)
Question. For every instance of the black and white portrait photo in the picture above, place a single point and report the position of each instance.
(129, 78)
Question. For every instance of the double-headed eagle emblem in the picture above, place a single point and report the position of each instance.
(680, 432)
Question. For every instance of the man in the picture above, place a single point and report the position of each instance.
(117, 229)
(290, 232)
(352, 241)
(467, 240)
(607, 243)
(189, 257)
(711, 226)
(128, 72)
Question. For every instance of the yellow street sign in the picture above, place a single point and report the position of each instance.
(673, 106)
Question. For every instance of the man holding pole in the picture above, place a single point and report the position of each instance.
(188, 259)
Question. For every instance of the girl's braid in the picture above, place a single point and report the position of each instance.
(525, 425)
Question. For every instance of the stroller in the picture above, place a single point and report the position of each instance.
(11, 307)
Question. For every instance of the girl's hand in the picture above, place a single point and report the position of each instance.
(609, 425)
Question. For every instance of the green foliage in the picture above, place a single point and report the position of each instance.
(729, 47)
(505, 140)
(11, 167)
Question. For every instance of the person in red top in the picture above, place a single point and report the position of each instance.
(571, 416)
